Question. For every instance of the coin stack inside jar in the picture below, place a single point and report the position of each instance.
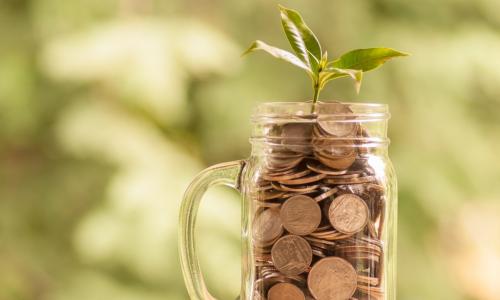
(319, 213)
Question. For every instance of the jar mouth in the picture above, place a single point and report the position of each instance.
(279, 144)
(340, 123)
(278, 112)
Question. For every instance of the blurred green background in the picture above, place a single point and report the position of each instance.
(109, 107)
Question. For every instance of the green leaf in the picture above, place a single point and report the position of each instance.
(315, 63)
(278, 53)
(324, 60)
(333, 73)
(309, 56)
(365, 59)
(301, 38)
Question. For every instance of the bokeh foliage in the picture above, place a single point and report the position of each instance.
(108, 108)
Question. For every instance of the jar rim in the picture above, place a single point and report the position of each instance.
(276, 112)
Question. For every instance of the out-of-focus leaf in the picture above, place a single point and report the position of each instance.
(365, 59)
(278, 53)
(144, 62)
(203, 49)
(301, 38)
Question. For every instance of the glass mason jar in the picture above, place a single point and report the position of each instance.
(319, 211)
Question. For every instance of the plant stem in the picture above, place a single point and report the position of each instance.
(315, 97)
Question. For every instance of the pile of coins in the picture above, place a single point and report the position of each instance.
(318, 214)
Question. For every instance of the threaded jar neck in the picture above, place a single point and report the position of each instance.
(333, 124)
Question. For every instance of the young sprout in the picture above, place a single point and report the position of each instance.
(310, 57)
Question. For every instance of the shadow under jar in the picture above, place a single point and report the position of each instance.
(319, 209)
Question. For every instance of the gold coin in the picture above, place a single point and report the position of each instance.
(283, 164)
(285, 291)
(372, 291)
(320, 168)
(289, 176)
(269, 195)
(353, 180)
(348, 213)
(295, 188)
(339, 128)
(300, 215)
(366, 280)
(296, 136)
(332, 278)
(325, 195)
(342, 124)
(336, 149)
(291, 255)
(340, 163)
(267, 226)
(304, 180)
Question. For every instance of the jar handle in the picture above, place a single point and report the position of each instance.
(221, 174)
